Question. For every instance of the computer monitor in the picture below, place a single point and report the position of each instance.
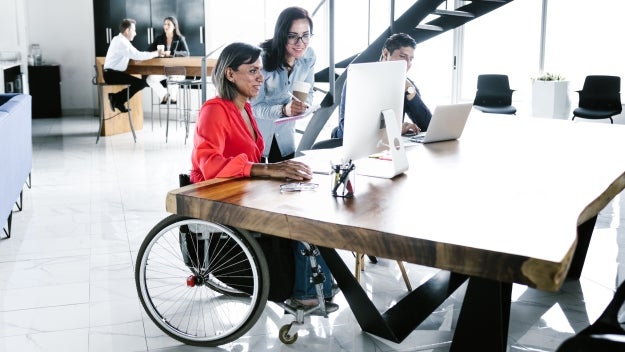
(374, 104)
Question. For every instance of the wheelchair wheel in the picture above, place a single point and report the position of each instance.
(202, 283)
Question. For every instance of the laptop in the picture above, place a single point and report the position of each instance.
(447, 124)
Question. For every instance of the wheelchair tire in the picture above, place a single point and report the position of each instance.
(202, 283)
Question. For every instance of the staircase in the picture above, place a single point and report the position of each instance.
(439, 20)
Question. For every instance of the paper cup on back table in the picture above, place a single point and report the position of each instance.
(300, 90)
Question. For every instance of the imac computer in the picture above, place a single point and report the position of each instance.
(374, 106)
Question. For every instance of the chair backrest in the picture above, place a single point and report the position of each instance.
(493, 90)
(601, 92)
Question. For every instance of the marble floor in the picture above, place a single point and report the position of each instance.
(66, 274)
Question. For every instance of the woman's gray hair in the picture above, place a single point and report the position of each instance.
(233, 56)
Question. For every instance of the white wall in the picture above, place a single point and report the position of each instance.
(64, 30)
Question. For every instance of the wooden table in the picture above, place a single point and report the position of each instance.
(193, 65)
(119, 124)
(513, 201)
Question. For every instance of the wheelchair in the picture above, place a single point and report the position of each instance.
(206, 284)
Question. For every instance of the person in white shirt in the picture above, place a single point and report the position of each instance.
(120, 51)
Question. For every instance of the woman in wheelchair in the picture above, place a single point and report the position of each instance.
(228, 143)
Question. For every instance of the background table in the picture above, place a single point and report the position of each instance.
(146, 67)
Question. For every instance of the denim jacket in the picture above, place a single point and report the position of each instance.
(274, 93)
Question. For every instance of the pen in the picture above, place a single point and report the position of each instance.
(295, 98)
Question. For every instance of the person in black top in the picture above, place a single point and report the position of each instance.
(397, 47)
(175, 45)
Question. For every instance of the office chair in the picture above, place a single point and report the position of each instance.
(605, 334)
(494, 95)
(600, 98)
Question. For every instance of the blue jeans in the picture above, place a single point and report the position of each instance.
(303, 288)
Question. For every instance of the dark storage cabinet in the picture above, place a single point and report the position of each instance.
(11, 78)
(149, 15)
(45, 88)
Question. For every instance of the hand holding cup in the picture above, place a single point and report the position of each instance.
(300, 96)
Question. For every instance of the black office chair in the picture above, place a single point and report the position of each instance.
(605, 335)
(600, 98)
(494, 95)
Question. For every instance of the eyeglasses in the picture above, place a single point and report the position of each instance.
(293, 38)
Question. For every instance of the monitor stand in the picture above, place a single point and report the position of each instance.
(399, 161)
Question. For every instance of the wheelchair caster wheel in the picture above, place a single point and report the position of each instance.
(284, 335)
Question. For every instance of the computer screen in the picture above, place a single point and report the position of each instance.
(371, 88)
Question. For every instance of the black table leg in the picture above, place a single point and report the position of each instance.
(584, 233)
(484, 318)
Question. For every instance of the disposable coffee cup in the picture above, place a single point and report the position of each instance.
(300, 90)
(160, 49)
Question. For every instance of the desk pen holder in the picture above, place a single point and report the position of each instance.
(343, 180)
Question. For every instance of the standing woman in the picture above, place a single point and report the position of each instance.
(176, 45)
(286, 59)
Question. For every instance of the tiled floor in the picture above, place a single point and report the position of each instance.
(66, 275)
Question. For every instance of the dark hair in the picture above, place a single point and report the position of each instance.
(175, 22)
(126, 23)
(233, 56)
(397, 41)
(274, 56)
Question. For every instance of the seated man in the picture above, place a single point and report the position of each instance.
(116, 62)
(397, 47)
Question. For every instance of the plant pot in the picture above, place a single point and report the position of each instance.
(551, 99)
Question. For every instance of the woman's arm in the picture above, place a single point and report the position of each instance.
(182, 49)
(291, 169)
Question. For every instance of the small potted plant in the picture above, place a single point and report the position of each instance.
(550, 96)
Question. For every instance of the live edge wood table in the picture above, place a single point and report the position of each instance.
(514, 200)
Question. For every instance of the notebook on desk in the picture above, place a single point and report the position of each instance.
(447, 124)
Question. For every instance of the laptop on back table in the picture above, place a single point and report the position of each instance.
(447, 124)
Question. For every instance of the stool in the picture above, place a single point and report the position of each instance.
(184, 99)
(102, 104)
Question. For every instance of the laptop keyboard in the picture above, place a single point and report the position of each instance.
(418, 138)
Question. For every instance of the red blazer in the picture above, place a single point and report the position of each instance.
(223, 146)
